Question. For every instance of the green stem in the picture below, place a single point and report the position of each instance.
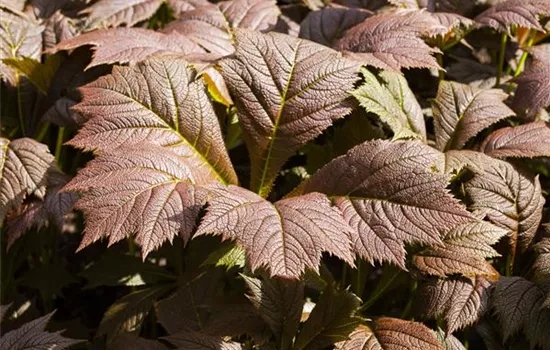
(522, 60)
(502, 55)
(59, 145)
(440, 72)
(42, 131)
(510, 264)
(408, 307)
(20, 106)
(358, 288)
(380, 290)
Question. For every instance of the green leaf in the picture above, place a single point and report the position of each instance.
(228, 256)
(39, 74)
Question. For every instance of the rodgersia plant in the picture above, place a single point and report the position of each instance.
(275, 175)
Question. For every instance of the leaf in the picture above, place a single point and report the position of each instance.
(179, 7)
(541, 266)
(39, 74)
(127, 313)
(285, 237)
(465, 248)
(287, 91)
(392, 334)
(20, 37)
(533, 91)
(521, 13)
(143, 190)
(57, 203)
(393, 101)
(328, 25)
(527, 140)
(113, 13)
(391, 193)
(131, 341)
(517, 304)
(160, 101)
(511, 200)
(128, 45)
(279, 302)
(188, 339)
(24, 164)
(29, 216)
(33, 336)
(49, 279)
(450, 342)
(392, 41)
(461, 112)
(461, 302)
(331, 320)
(58, 28)
(212, 27)
(227, 256)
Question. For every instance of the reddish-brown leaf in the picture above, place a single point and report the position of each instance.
(533, 91)
(113, 13)
(521, 13)
(528, 140)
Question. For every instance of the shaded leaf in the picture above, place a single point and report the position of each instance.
(461, 112)
(392, 41)
(533, 91)
(522, 13)
(286, 237)
(287, 91)
(29, 216)
(328, 25)
(393, 101)
(527, 140)
(49, 279)
(392, 334)
(130, 341)
(39, 74)
(160, 101)
(113, 13)
(129, 45)
(58, 203)
(24, 164)
(541, 266)
(143, 190)
(449, 341)
(33, 336)
(391, 193)
(279, 302)
(460, 302)
(331, 320)
(212, 27)
(188, 339)
(464, 250)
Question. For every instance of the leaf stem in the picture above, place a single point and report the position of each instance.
(42, 132)
(521, 62)
(20, 106)
(408, 307)
(59, 145)
(440, 72)
(502, 55)
(378, 292)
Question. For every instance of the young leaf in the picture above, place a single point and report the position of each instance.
(392, 41)
(113, 13)
(461, 112)
(161, 101)
(464, 250)
(511, 200)
(329, 24)
(527, 140)
(391, 193)
(212, 27)
(279, 302)
(144, 190)
(129, 45)
(522, 13)
(286, 237)
(461, 302)
(287, 91)
(331, 320)
(533, 91)
(24, 164)
(33, 336)
(394, 102)
(391, 333)
(189, 339)
(39, 74)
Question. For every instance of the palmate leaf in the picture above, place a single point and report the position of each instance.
(522, 13)
(287, 91)
(113, 13)
(391, 334)
(332, 320)
(279, 302)
(328, 25)
(394, 102)
(24, 165)
(391, 193)
(161, 101)
(464, 250)
(461, 112)
(510, 199)
(518, 306)
(212, 27)
(533, 91)
(392, 41)
(129, 45)
(286, 237)
(460, 302)
(527, 140)
(144, 190)
(33, 336)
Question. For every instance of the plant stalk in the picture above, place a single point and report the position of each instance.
(502, 55)
(59, 145)
(440, 72)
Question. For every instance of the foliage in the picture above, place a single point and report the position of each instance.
(261, 174)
